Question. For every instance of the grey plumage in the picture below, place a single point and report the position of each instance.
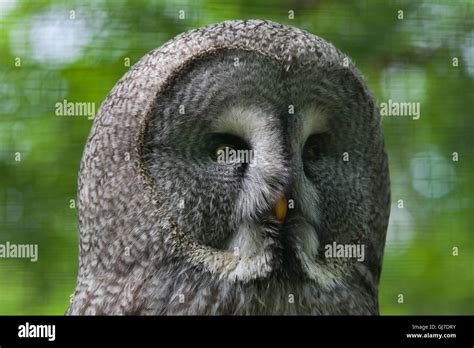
(165, 230)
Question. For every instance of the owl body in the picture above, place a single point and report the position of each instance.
(168, 227)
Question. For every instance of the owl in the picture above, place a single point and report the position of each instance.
(239, 169)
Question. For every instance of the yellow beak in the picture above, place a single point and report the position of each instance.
(281, 207)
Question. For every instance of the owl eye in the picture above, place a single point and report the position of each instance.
(227, 149)
(315, 146)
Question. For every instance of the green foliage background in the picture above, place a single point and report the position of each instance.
(80, 59)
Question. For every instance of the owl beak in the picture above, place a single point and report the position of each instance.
(280, 208)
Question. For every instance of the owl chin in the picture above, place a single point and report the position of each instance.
(271, 247)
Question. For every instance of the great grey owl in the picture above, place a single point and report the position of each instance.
(167, 227)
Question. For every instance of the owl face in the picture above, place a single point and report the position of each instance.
(235, 135)
(250, 147)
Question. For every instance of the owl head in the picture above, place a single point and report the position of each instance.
(233, 168)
